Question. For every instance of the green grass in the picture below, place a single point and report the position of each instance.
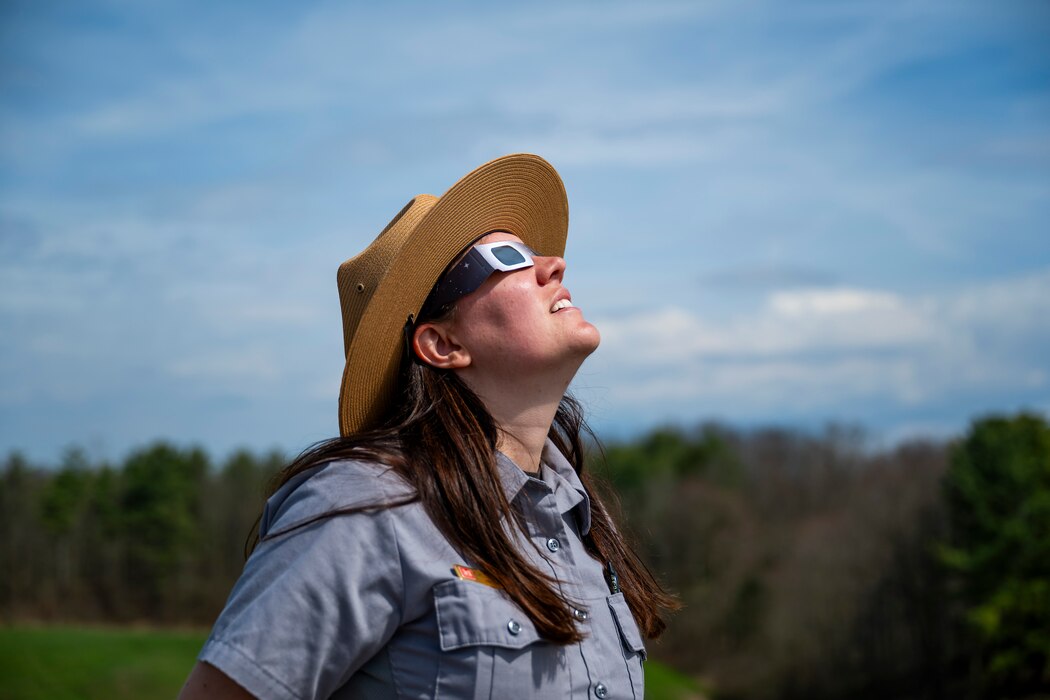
(74, 663)
(664, 683)
(82, 663)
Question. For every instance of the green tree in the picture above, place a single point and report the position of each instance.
(63, 505)
(104, 547)
(998, 496)
(233, 500)
(23, 545)
(161, 525)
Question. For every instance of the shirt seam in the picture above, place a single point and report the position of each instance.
(255, 665)
(392, 523)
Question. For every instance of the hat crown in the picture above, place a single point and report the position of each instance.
(359, 277)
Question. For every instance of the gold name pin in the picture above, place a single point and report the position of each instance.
(465, 573)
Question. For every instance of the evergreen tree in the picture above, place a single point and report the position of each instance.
(998, 495)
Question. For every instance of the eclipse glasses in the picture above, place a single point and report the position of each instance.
(474, 268)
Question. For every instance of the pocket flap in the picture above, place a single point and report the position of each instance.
(470, 614)
(632, 638)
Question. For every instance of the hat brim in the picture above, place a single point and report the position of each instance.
(521, 194)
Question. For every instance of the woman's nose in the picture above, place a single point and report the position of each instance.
(548, 268)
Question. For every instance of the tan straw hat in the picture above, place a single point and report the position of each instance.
(386, 284)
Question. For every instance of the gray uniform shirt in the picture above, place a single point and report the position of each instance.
(368, 605)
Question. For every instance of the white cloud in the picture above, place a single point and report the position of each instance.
(832, 302)
(825, 347)
(790, 322)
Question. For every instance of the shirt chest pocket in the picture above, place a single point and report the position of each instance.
(629, 633)
(490, 648)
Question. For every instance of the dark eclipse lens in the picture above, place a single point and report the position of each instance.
(507, 255)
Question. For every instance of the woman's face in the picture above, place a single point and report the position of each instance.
(519, 321)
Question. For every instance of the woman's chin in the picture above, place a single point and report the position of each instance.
(589, 339)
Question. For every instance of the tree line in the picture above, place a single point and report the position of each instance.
(809, 565)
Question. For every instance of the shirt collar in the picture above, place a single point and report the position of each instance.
(513, 479)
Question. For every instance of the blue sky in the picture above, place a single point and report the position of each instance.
(786, 213)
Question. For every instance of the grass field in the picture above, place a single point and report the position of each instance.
(75, 663)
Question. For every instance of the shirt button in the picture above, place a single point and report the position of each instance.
(553, 544)
(580, 615)
(600, 691)
(514, 627)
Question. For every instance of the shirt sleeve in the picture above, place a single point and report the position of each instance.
(312, 605)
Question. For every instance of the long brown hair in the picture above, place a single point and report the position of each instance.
(441, 439)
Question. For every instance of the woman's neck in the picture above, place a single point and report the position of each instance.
(523, 442)
(524, 418)
(524, 408)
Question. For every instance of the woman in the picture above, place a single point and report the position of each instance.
(447, 544)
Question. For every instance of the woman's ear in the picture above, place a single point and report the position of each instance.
(433, 344)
